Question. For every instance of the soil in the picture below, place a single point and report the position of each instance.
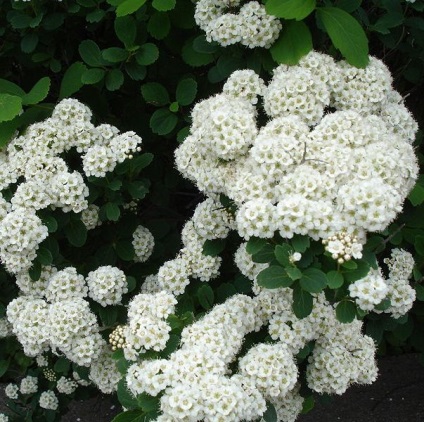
(396, 396)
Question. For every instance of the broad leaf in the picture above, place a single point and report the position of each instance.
(313, 280)
(346, 311)
(274, 277)
(38, 92)
(346, 34)
(186, 91)
(302, 302)
(72, 79)
(10, 107)
(290, 9)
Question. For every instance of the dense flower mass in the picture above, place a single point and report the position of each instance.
(34, 158)
(252, 26)
(332, 157)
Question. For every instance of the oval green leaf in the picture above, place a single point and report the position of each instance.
(346, 34)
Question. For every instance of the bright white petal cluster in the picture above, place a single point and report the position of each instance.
(58, 318)
(369, 291)
(48, 400)
(45, 180)
(146, 328)
(29, 385)
(193, 378)
(66, 386)
(252, 26)
(328, 160)
(401, 294)
(143, 243)
(104, 373)
(107, 285)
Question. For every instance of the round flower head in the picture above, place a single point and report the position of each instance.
(252, 26)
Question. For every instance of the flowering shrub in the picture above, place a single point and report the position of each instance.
(261, 249)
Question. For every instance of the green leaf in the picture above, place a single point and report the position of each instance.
(283, 253)
(313, 280)
(95, 16)
(416, 196)
(206, 296)
(72, 79)
(270, 414)
(10, 107)
(274, 277)
(115, 54)
(345, 311)
(174, 107)
(265, 255)
(44, 256)
(4, 366)
(213, 247)
(35, 271)
(419, 289)
(193, 57)
(362, 269)
(126, 30)
(255, 244)
(302, 302)
(300, 243)
(108, 315)
(7, 131)
(8, 87)
(62, 365)
(200, 45)
(125, 250)
(90, 53)
(131, 283)
(163, 121)
(92, 76)
(294, 273)
(348, 5)
(186, 91)
(76, 233)
(129, 6)
(308, 404)
(147, 402)
(290, 9)
(114, 79)
(346, 34)
(125, 397)
(135, 71)
(147, 54)
(155, 93)
(419, 244)
(137, 189)
(142, 161)
(38, 92)
(29, 42)
(159, 25)
(164, 5)
(112, 211)
(334, 279)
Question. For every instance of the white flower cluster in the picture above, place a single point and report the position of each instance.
(146, 328)
(343, 247)
(107, 285)
(104, 373)
(193, 379)
(66, 386)
(58, 317)
(329, 160)
(342, 355)
(5, 328)
(48, 400)
(45, 180)
(401, 294)
(373, 288)
(369, 291)
(143, 243)
(29, 385)
(210, 221)
(90, 217)
(252, 26)
(4, 417)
